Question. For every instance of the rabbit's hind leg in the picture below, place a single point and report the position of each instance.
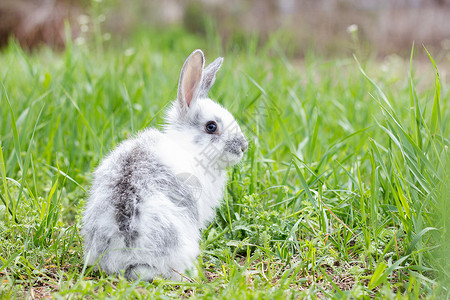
(181, 263)
(143, 272)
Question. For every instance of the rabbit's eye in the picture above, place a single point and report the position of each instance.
(211, 127)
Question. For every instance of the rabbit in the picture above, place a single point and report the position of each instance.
(153, 194)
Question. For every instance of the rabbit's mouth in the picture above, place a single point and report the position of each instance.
(234, 151)
(236, 145)
(228, 159)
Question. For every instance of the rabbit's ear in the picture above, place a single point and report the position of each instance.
(190, 79)
(209, 76)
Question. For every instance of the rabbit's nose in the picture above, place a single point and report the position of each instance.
(244, 145)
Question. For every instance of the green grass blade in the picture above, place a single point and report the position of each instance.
(27, 160)
(381, 273)
(417, 238)
(306, 187)
(436, 123)
(126, 98)
(66, 176)
(17, 148)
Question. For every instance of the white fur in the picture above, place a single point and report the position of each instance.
(140, 218)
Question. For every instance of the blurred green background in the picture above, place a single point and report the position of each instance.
(327, 27)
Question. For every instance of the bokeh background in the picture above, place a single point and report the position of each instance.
(326, 27)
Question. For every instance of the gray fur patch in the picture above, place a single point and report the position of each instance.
(236, 145)
(169, 240)
(142, 174)
(180, 195)
(198, 138)
(195, 120)
(126, 205)
(214, 138)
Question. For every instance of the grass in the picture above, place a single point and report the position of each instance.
(343, 193)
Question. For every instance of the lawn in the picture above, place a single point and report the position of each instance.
(343, 193)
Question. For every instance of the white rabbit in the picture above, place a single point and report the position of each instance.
(153, 194)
